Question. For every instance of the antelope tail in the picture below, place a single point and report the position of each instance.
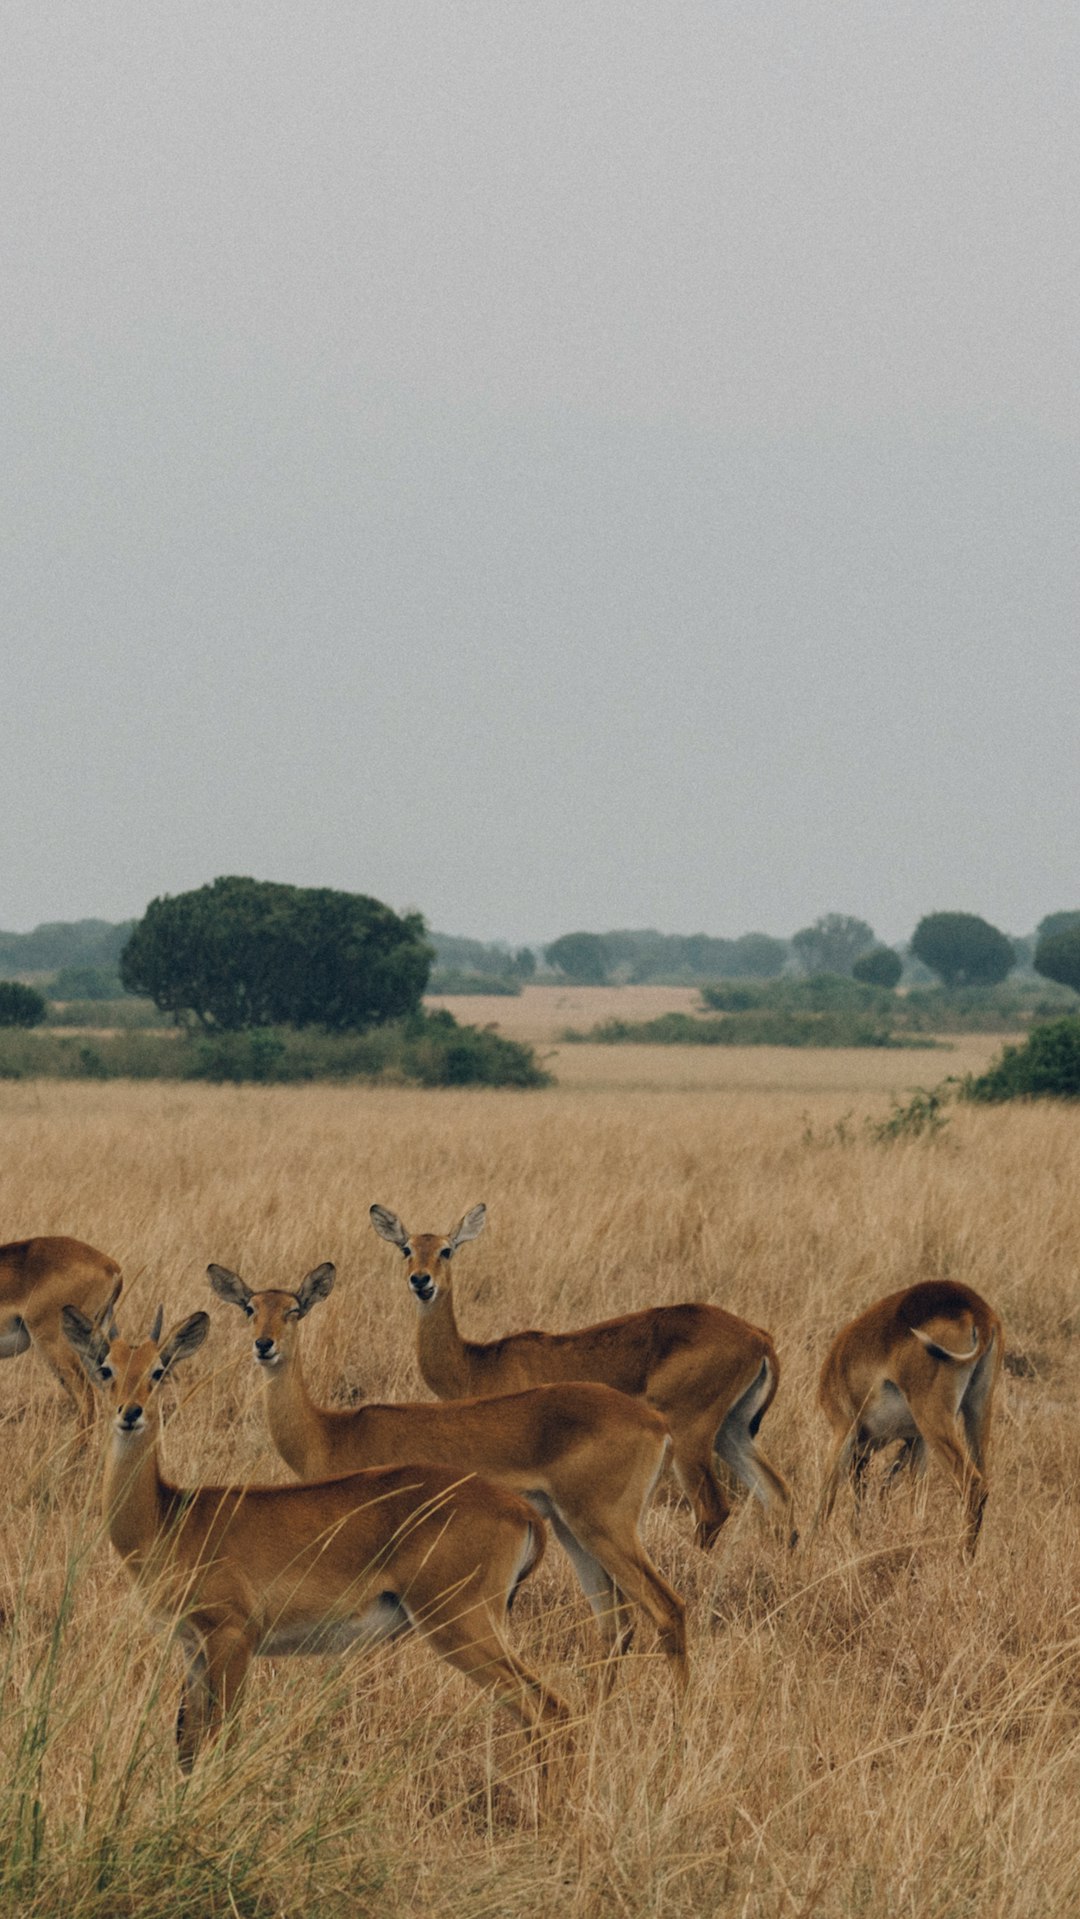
(943, 1352)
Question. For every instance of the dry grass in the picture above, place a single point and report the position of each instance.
(871, 1730)
(541, 1013)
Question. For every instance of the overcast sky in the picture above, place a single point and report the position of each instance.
(554, 465)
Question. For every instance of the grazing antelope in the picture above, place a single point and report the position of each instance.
(238, 1571)
(711, 1375)
(37, 1278)
(920, 1367)
(585, 1456)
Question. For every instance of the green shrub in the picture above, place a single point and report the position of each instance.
(761, 1027)
(1045, 1066)
(880, 967)
(921, 1118)
(427, 1049)
(454, 983)
(735, 996)
(20, 1005)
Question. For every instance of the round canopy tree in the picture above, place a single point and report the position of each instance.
(583, 957)
(243, 952)
(880, 967)
(963, 949)
(1057, 956)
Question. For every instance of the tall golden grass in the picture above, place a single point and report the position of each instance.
(872, 1728)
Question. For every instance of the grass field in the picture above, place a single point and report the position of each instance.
(872, 1729)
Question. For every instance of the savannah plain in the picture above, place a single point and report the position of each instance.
(872, 1728)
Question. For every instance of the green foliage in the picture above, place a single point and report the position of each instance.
(1046, 1065)
(821, 993)
(87, 982)
(963, 949)
(734, 996)
(1055, 923)
(832, 944)
(468, 959)
(20, 1005)
(684, 959)
(1057, 955)
(241, 953)
(777, 1026)
(926, 1009)
(426, 1049)
(980, 1009)
(64, 943)
(582, 957)
(879, 967)
(921, 1118)
(455, 983)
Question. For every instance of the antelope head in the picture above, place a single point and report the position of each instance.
(128, 1376)
(274, 1315)
(428, 1255)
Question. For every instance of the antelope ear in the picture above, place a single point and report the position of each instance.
(228, 1286)
(318, 1284)
(86, 1337)
(184, 1339)
(104, 1315)
(388, 1226)
(469, 1228)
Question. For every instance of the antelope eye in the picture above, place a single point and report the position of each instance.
(158, 1373)
(444, 1252)
(105, 1371)
(249, 1309)
(406, 1252)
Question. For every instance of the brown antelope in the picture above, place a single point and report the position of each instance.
(920, 1367)
(711, 1375)
(37, 1278)
(585, 1456)
(238, 1571)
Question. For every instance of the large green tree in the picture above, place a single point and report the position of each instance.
(244, 952)
(963, 949)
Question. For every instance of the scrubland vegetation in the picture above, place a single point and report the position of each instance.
(828, 1009)
(872, 1728)
(426, 1049)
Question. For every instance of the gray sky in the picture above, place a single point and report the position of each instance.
(553, 465)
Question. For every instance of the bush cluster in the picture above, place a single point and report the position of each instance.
(760, 1027)
(426, 1049)
(1046, 1065)
(20, 1005)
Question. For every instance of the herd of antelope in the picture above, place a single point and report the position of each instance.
(427, 1516)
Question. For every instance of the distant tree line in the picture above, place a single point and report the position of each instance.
(80, 960)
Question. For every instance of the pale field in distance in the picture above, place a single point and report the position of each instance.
(871, 1729)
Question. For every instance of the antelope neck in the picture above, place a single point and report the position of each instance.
(300, 1430)
(440, 1348)
(133, 1496)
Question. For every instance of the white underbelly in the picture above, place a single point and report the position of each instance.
(383, 1619)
